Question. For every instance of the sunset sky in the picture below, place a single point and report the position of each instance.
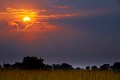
(78, 32)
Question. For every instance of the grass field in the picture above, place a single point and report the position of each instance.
(58, 75)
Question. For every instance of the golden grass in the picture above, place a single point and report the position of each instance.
(58, 75)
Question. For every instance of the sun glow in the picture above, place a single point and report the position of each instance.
(26, 19)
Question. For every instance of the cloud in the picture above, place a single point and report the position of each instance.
(82, 32)
(26, 4)
(14, 17)
(62, 7)
(13, 25)
(3, 24)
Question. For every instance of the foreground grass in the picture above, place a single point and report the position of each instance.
(58, 75)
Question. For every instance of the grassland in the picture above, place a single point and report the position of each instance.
(58, 75)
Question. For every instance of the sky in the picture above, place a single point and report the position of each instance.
(78, 32)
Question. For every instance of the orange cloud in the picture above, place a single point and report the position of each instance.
(13, 25)
(38, 17)
(35, 15)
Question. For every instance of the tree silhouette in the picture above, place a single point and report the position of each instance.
(56, 66)
(37, 63)
(17, 65)
(94, 68)
(6, 66)
(116, 66)
(48, 67)
(66, 66)
(87, 68)
(63, 66)
(0, 66)
(105, 67)
(32, 63)
(78, 68)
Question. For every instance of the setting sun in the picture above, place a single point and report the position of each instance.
(25, 19)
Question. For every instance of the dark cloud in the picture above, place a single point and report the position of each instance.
(102, 24)
(3, 24)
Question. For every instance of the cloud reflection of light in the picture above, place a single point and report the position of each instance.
(38, 17)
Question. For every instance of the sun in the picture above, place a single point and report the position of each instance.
(26, 19)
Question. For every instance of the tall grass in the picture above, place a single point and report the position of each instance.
(58, 75)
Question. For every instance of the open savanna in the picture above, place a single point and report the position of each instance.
(58, 75)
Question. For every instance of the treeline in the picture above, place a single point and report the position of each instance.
(33, 63)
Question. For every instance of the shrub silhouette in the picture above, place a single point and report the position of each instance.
(78, 68)
(0, 66)
(17, 65)
(48, 67)
(105, 67)
(94, 68)
(63, 66)
(87, 68)
(6, 66)
(56, 66)
(37, 63)
(32, 63)
(66, 66)
(116, 66)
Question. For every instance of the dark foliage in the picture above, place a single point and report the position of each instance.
(0, 66)
(48, 67)
(116, 66)
(94, 68)
(63, 66)
(105, 67)
(78, 68)
(56, 66)
(32, 63)
(17, 65)
(87, 68)
(6, 66)
(37, 63)
(66, 66)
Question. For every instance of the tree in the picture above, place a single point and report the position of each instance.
(66, 66)
(78, 68)
(17, 65)
(6, 66)
(0, 66)
(87, 68)
(48, 67)
(56, 66)
(32, 63)
(116, 66)
(63, 66)
(105, 67)
(94, 68)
